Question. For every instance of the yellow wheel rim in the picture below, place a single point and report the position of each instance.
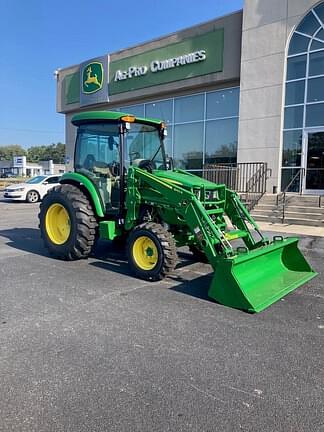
(57, 224)
(145, 253)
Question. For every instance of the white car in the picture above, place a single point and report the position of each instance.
(33, 189)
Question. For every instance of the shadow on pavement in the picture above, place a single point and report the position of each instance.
(112, 258)
(25, 239)
(197, 287)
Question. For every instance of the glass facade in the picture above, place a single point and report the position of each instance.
(202, 128)
(304, 102)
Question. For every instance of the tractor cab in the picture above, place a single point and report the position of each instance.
(106, 147)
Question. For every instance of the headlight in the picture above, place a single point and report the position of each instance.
(17, 190)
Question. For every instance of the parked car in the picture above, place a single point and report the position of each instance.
(8, 175)
(33, 189)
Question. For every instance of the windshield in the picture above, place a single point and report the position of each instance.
(37, 179)
(143, 142)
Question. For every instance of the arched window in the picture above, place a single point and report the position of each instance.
(304, 105)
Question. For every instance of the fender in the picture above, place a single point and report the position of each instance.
(79, 179)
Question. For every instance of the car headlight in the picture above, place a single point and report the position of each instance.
(18, 189)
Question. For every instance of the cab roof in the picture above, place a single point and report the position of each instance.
(110, 116)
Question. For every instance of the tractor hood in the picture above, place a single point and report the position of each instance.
(182, 178)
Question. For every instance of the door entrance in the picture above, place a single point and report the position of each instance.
(313, 182)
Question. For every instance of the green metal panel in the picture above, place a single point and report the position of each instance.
(254, 280)
(71, 88)
(81, 179)
(211, 43)
(108, 230)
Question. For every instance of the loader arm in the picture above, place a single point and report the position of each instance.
(146, 188)
(249, 278)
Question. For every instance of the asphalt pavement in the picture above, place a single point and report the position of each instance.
(86, 347)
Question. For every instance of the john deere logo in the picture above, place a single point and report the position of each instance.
(92, 77)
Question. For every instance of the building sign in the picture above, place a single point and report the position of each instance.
(93, 81)
(161, 65)
(19, 161)
(199, 55)
(92, 77)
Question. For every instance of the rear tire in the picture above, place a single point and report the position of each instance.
(151, 251)
(67, 223)
(32, 196)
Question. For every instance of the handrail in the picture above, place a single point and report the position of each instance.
(301, 173)
(258, 179)
(248, 178)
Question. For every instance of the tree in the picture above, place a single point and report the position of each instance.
(9, 151)
(56, 152)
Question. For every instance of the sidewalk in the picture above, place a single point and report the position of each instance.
(292, 229)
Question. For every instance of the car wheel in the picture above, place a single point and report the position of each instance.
(32, 196)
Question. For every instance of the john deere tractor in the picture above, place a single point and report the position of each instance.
(124, 188)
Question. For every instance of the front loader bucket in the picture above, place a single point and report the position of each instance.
(254, 280)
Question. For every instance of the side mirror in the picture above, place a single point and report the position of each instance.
(169, 163)
(45, 182)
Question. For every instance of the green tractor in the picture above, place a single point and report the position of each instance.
(124, 188)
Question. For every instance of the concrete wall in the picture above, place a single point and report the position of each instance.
(267, 26)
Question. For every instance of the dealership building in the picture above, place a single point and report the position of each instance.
(246, 87)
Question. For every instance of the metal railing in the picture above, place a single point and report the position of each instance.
(248, 179)
(298, 179)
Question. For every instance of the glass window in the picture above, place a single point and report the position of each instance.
(52, 180)
(316, 45)
(296, 67)
(223, 103)
(315, 115)
(298, 44)
(96, 143)
(168, 142)
(37, 179)
(136, 110)
(320, 35)
(316, 63)
(142, 143)
(295, 92)
(315, 90)
(161, 110)
(292, 148)
(189, 108)
(286, 177)
(188, 145)
(294, 117)
(319, 10)
(309, 24)
(221, 141)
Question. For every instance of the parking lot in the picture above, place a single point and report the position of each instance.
(87, 347)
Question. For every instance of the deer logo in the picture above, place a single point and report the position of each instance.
(92, 77)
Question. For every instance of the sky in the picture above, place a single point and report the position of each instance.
(39, 36)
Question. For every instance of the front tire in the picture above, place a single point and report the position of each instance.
(32, 196)
(151, 251)
(67, 223)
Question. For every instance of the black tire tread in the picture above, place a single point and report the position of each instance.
(86, 223)
(168, 247)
